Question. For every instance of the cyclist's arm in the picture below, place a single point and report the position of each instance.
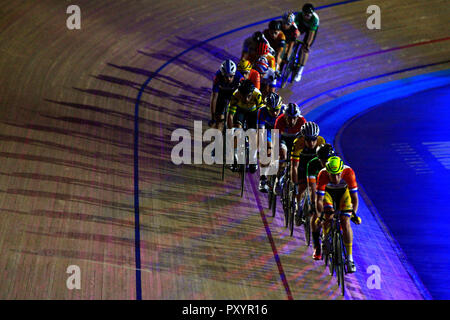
(355, 201)
(232, 107)
(311, 182)
(310, 38)
(279, 56)
(213, 103)
(294, 170)
(319, 204)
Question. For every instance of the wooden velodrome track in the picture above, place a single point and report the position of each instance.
(67, 179)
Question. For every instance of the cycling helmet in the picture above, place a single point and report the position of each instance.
(325, 151)
(262, 65)
(246, 87)
(262, 48)
(228, 68)
(275, 25)
(273, 101)
(310, 130)
(288, 18)
(308, 8)
(292, 110)
(258, 36)
(244, 65)
(334, 165)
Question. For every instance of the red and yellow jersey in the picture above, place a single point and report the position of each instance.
(348, 179)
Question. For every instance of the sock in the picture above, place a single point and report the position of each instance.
(300, 71)
(316, 239)
(325, 231)
(349, 247)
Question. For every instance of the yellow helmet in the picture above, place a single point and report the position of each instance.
(244, 65)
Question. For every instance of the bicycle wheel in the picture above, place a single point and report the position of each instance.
(292, 211)
(274, 205)
(224, 148)
(340, 262)
(331, 260)
(286, 203)
(243, 170)
(307, 223)
(270, 193)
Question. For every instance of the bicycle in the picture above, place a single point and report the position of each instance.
(272, 195)
(335, 253)
(242, 167)
(291, 65)
(286, 190)
(307, 207)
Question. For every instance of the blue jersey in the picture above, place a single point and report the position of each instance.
(224, 88)
(265, 120)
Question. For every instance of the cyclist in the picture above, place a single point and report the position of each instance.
(291, 32)
(250, 44)
(266, 121)
(245, 68)
(224, 84)
(243, 107)
(303, 150)
(277, 39)
(337, 181)
(289, 125)
(267, 74)
(313, 168)
(307, 22)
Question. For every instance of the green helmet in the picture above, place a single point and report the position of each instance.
(334, 165)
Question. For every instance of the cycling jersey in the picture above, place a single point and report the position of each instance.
(304, 25)
(285, 131)
(223, 87)
(337, 193)
(348, 179)
(237, 102)
(277, 43)
(265, 119)
(291, 33)
(300, 150)
(272, 61)
(312, 169)
(249, 47)
(255, 78)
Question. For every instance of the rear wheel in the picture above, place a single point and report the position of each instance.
(307, 223)
(243, 171)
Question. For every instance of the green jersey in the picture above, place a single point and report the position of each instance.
(303, 25)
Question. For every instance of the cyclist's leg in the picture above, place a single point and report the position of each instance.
(346, 211)
(304, 51)
(238, 121)
(281, 166)
(328, 210)
(251, 118)
(263, 186)
(315, 232)
(219, 116)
